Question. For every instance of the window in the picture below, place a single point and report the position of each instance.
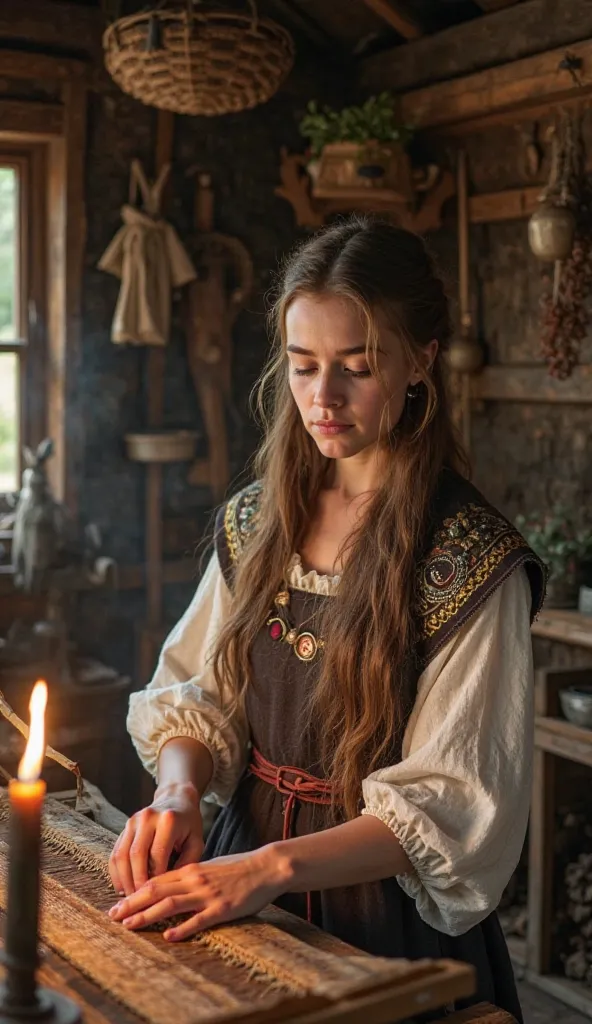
(10, 325)
(22, 276)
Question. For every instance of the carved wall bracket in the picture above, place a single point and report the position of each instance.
(432, 187)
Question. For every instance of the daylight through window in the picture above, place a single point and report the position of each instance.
(10, 318)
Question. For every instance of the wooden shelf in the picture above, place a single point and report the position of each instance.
(569, 627)
(560, 737)
(572, 993)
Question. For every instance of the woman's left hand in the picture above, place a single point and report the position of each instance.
(216, 891)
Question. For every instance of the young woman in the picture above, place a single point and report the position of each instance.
(353, 679)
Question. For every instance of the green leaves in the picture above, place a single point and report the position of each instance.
(374, 120)
(557, 538)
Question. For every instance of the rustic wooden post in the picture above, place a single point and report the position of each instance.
(151, 633)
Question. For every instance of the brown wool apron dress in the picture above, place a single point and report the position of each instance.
(283, 792)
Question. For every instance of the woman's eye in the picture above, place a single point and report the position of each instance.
(359, 373)
(302, 373)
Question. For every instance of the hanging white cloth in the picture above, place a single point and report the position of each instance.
(149, 258)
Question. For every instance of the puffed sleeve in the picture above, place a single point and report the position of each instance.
(182, 698)
(458, 801)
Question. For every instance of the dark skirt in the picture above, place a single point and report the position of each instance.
(377, 917)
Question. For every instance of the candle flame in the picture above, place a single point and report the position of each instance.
(29, 768)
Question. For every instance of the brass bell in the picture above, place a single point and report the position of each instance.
(551, 231)
(465, 355)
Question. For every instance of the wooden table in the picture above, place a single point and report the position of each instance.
(274, 967)
(428, 985)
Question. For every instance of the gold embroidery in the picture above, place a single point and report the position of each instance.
(466, 551)
(241, 517)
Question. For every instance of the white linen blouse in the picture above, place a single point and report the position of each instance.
(458, 800)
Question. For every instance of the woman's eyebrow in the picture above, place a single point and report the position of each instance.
(358, 350)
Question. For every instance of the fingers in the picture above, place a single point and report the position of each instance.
(190, 853)
(119, 863)
(168, 907)
(215, 914)
(140, 848)
(114, 873)
(156, 890)
(163, 843)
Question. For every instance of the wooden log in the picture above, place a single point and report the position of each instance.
(64, 25)
(26, 116)
(489, 6)
(507, 88)
(508, 35)
(24, 64)
(532, 384)
(509, 204)
(396, 17)
(299, 20)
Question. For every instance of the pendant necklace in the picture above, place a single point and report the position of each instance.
(303, 642)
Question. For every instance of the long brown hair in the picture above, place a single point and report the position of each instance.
(365, 689)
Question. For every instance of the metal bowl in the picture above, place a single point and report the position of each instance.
(576, 702)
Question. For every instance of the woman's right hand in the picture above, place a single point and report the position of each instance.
(171, 824)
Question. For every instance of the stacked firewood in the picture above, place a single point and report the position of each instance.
(573, 921)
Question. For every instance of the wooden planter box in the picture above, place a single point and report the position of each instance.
(346, 169)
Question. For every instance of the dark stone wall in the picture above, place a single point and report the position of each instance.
(526, 455)
(241, 152)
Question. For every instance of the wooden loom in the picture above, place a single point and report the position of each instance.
(270, 968)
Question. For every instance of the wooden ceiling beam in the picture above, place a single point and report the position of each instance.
(511, 34)
(298, 20)
(488, 6)
(63, 25)
(394, 15)
(521, 86)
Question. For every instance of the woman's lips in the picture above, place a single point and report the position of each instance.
(329, 429)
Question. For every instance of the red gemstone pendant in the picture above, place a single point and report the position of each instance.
(277, 628)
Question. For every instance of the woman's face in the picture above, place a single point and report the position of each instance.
(343, 405)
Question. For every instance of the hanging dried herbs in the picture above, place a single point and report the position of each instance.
(565, 315)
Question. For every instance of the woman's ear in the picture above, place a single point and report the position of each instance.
(427, 356)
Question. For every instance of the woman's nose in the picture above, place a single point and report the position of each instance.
(327, 393)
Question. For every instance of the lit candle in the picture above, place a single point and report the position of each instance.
(22, 1001)
(22, 915)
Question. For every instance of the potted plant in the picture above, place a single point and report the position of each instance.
(358, 148)
(564, 545)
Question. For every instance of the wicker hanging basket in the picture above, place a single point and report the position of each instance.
(196, 59)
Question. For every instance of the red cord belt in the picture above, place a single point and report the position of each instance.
(294, 784)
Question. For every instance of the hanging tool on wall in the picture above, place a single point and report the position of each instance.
(465, 355)
(214, 300)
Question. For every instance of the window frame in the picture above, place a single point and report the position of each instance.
(30, 345)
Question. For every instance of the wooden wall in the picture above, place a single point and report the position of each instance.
(241, 152)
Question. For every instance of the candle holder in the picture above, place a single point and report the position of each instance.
(43, 1005)
(21, 999)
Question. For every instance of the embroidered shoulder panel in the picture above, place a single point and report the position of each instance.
(240, 519)
(472, 553)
